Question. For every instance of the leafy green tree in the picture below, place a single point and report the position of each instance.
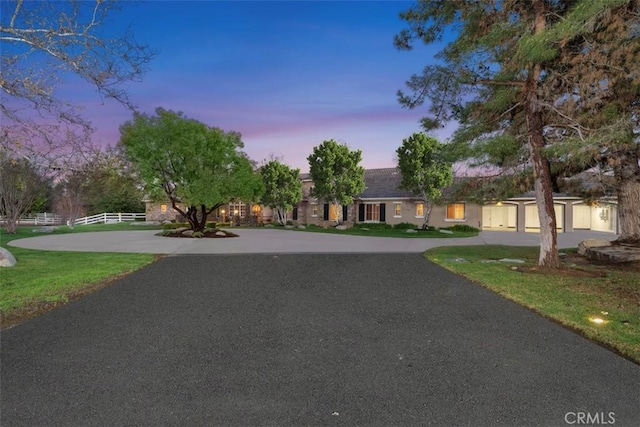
(423, 170)
(189, 163)
(21, 185)
(282, 188)
(493, 79)
(336, 174)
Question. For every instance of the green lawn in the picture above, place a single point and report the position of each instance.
(356, 231)
(572, 297)
(44, 279)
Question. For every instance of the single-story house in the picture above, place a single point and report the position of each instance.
(382, 201)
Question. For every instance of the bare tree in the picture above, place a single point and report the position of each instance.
(44, 44)
(20, 186)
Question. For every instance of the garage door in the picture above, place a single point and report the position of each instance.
(532, 222)
(499, 217)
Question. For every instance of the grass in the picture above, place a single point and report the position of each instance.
(42, 280)
(356, 231)
(570, 297)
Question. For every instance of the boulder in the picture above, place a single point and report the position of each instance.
(221, 233)
(188, 233)
(341, 227)
(411, 230)
(446, 231)
(585, 245)
(301, 227)
(45, 229)
(6, 258)
(289, 227)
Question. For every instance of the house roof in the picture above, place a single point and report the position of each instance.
(383, 183)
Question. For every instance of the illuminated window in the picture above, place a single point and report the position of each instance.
(397, 210)
(163, 208)
(238, 209)
(314, 210)
(420, 209)
(372, 212)
(255, 209)
(455, 211)
(334, 212)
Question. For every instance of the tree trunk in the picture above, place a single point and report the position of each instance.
(627, 174)
(428, 206)
(543, 186)
(197, 223)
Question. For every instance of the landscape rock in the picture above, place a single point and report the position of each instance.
(221, 234)
(411, 230)
(301, 227)
(512, 260)
(289, 227)
(592, 243)
(456, 260)
(341, 227)
(613, 254)
(188, 233)
(45, 229)
(446, 231)
(6, 258)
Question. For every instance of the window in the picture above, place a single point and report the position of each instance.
(372, 212)
(334, 212)
(314, 209)
(455, 211)
(420, 209)
(163, 208)
(237, 209)
(397, 209)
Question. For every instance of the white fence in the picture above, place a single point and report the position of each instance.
(109, 218)
(44, 218)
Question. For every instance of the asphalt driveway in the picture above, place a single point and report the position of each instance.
(325, 339)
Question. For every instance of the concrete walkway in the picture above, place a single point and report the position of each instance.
(256, 241)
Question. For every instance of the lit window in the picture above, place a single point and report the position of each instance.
(372, 212)
(420, 209)
(163, 208)
(397, 209)
(455, 211)
(238, 209)
(314, 211)
(334, 212)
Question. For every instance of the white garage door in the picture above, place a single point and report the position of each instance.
(532, 222)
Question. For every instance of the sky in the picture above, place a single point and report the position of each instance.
(286, 75)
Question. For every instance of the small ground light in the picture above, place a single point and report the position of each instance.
(598, 320)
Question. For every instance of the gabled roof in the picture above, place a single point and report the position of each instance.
(383, 183)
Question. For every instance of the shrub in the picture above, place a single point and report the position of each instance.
(197, 234)
(404, 226)
(464, 228)
(289, 222)
(374, 225)
(174, 225)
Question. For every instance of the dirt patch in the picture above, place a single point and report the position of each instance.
(575, 265)
(209, 234)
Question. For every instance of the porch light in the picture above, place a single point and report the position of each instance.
(499, 204)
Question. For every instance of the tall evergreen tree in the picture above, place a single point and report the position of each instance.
(494, 78)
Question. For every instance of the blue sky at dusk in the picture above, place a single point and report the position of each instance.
(287, 75)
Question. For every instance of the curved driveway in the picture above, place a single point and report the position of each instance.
(278, 241)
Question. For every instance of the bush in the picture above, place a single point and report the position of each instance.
(374, 225)
(197, 234)
(404, 226)
(464, 228)
(289, 222)
(174, 225)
